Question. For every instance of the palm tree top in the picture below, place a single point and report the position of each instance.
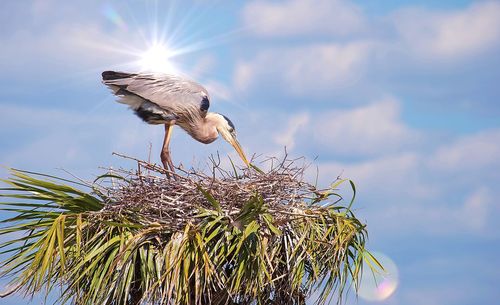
(226, 237)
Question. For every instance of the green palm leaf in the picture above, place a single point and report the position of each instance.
(119, 249)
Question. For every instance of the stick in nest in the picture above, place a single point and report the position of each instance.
(173, 203)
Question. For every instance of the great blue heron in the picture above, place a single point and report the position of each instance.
(172, 100)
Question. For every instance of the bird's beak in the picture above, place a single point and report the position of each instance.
(238, 149)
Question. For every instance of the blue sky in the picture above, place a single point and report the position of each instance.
(400, 96)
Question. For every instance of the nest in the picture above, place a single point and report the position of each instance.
(237, 237)
(174, 202)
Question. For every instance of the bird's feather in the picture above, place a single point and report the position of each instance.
(152, 114)
(171, 93)
(112, 75)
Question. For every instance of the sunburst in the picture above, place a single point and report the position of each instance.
(158, 59)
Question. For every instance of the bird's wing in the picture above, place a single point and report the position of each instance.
(172, 93)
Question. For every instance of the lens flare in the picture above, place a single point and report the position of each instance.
(157, 36)
(157, 59)
(112, 15)
(379, 286)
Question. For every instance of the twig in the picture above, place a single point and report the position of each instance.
(173, 203)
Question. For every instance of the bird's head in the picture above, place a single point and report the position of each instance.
(226, 129)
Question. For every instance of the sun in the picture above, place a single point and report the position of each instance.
(157, 59)
(160, 43)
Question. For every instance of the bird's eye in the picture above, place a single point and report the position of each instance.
(205, 103)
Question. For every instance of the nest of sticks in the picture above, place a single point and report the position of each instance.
(237, 236)
(295, 237)
(148, 196)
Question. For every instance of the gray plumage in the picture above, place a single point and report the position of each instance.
(160, 98)
(171, 100)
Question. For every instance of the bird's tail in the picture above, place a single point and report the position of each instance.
(118, 82)
(113, 75)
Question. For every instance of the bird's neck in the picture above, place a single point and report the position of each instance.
(205, 130)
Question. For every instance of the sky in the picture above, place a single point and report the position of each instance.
(401, 96)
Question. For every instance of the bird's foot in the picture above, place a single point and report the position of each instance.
(168, 165)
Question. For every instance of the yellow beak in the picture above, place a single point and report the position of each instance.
(240, 152)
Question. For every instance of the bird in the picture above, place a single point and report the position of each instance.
(159, 98)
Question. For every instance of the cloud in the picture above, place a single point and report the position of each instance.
(33, 117)
(473, 152)
(80, 141)
(54, 137)
(452, 34)
(372, 129)
(203, 66)
(445, 279)
(419, 191)
(477, 208)
(70, 50)
(306, 70)
(409, 40)
(439, 214)
(52, 34)
(296, 123)
(218, 90)
(303, 17)
(400, 199)
(376, 130)
(393, 174)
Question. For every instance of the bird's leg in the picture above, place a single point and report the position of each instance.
(165, 152)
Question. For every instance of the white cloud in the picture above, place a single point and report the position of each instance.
(469, 153)
(82, 141)
(455, 290)
(415, 191)
(203, 66)
(371, 130)
(325, 63)
(218, 90)
(287, 138)
(52, 38)
(450, 34)
(52, 137)
(438, 214)
(476, 209)
(367, 130)
(64, 51)
(244, 75)
(33, 117)
(303, 17)
(306, 70)
(396, 175)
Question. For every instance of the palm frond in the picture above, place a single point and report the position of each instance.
(266, 238)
